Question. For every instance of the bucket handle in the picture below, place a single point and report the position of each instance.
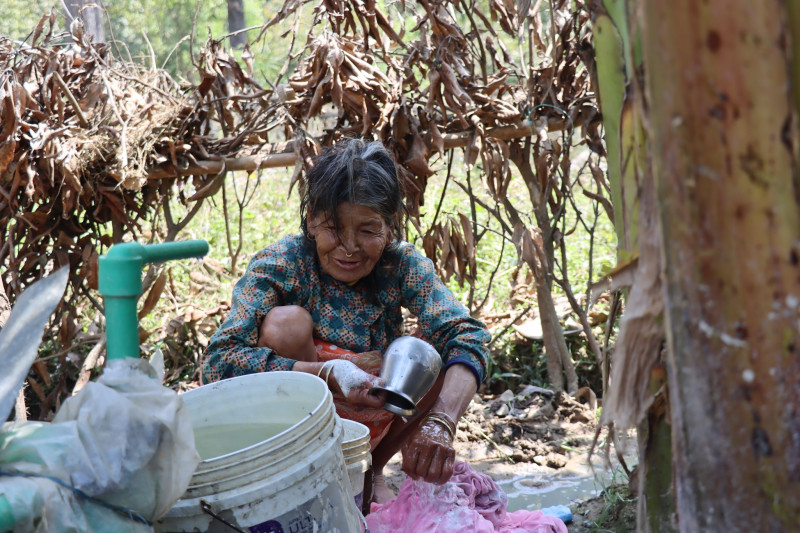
(204, 505)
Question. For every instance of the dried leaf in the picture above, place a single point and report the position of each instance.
(41, 370)
(199, 278)
(620, 277)
(641, 333)
(211, 187)
(37, 388)
(153, 295)
(8, 124)
(472, 150)
(469, 242)
(247, 57)
(437, 141)
(417, 160)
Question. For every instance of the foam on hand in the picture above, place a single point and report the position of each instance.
(350, 377)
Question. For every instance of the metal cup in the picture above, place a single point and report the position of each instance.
(410, 367)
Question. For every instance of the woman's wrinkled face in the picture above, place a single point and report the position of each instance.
(350, 253)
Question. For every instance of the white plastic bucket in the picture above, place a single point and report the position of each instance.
(357, 459)
(271, 459)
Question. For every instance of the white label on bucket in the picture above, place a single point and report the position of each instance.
(324, 513)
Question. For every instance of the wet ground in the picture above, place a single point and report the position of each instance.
(535, 445)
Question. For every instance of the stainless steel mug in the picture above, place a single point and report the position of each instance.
(410, 367)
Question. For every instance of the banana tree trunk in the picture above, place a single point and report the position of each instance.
(723, 137)
(636, 397)
(610, 44)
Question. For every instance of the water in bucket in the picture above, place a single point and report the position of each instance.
(214, 441)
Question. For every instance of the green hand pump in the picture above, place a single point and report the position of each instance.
(120, 283)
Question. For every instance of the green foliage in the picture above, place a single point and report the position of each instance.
(270, 214)
(21, 17)
(513, 365)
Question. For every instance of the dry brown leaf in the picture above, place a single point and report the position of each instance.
(417, 160)
(153, 295)
(437, 141)
(469, 242)
(41, 370)
(472, 150)
(453, 86)
(199, 277)
(209, 186)
(641, 332)
(8, 119)
(37, 388)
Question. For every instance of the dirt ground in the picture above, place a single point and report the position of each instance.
(600, 514)
(535, 435)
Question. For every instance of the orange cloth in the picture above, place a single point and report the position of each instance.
(377, 420)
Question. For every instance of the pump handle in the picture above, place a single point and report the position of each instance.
(155, 253)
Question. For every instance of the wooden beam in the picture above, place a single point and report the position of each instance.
(282, 154)
(249, 163)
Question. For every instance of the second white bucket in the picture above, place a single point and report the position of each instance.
(357, 458)
(270, 445)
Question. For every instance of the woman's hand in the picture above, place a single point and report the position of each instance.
(429, 454)
(355, 384)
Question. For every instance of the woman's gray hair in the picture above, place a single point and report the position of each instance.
(358, 172)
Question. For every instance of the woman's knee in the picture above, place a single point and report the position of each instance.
(288, 330)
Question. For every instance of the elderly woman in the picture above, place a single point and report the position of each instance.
(328, 302)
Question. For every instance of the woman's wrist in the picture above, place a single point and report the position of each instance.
(316, 368)
(444, 420)
(457, 392)
(325, 369)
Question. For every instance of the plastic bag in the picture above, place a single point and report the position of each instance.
(124, 440)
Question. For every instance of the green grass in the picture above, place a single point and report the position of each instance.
(614, 493)
(268, 215)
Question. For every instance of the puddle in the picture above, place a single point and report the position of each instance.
(533, 491)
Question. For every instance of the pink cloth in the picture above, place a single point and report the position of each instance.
(470, 502)
(484, 496)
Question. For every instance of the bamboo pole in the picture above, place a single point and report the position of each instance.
(635, 399)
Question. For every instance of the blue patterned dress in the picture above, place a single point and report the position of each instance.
(360, 318)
